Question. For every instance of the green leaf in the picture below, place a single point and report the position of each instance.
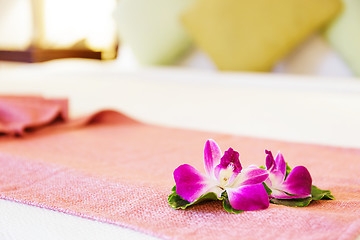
(227, 206)
(177, 202)
(295, 202)
(268, 190)
(316, 194)
(288, 170)
(319, 194)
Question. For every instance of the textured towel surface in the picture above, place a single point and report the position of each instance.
(119, 171)
(21, 113)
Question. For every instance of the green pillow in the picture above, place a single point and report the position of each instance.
(344, 34)
(253, 35)
(152, 29)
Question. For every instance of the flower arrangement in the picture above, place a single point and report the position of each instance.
(243, 189)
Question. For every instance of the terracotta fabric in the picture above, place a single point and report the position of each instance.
(24, 113)
(112, 169)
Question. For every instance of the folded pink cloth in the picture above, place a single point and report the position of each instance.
(21, 113)
(120, 171)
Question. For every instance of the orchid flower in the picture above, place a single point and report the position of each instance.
(224, 173)
(296, 185)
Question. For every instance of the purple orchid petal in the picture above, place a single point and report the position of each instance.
(280, 164)
(276, 177)
(252, 175)
(269, 160)
(276, 167)
(212, 155)
(281, 195)
(248, 197)
(232, 179)
(229, 159)
(190, 183)
(268, 182)
(298, 182)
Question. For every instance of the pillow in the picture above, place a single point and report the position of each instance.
(153, 30)
(254, 35)
(344, 34)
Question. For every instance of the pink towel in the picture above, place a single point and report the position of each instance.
(23, 113)
(119, 171)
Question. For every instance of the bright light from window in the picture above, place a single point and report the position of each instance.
(72, 21)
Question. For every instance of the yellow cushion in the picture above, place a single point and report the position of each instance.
(252, 35)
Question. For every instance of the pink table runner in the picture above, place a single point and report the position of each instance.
(110, 168)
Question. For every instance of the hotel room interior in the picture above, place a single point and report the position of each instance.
(102, 102)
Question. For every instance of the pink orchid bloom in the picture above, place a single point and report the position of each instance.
(296, 185)
(244, 187)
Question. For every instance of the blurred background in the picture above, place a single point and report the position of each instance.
(290, 68)
(279, 69)
(309, 37)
